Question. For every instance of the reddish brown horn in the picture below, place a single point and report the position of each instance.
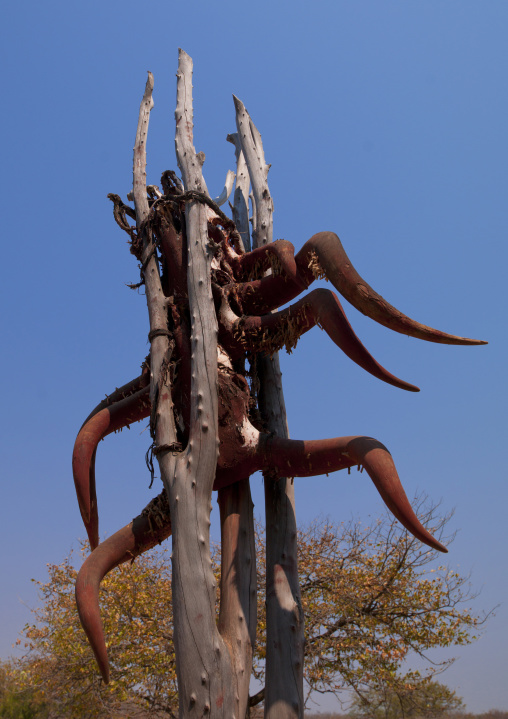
(333, 262)
(310, 458)
(151, 527)
(258, 297)
(107, 420)
(283, 328)
(122, 392)
(281, 252)
(380, 467)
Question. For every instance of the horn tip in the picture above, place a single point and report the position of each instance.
(469, 341)
(435, 544)
(407, 386)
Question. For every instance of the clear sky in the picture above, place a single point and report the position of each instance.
(384, 121)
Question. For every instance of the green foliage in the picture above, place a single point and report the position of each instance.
(430, 700)
(14, 702)
(59, 666)
(372, 598)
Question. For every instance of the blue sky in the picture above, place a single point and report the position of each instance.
(384, 121)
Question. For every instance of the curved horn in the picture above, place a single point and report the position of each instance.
(268, 333)
(258, 297)
(280, 252)
(380, 467)
(336, 266)
(107, 420)
(298, 458)
(151, 527)
(122, 392)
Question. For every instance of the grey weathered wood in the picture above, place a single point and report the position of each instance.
(213, 673)
(206, 684)
(284, 615)
(238, 606)
(241, 197)
(162, 418)
(252, 149)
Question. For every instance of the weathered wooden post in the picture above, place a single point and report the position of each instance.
(284, 615)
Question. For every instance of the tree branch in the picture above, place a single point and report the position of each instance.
(162, 426)
(257, 698)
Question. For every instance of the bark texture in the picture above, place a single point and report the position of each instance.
(284, 615)
(161, 421)
(205, 677)
(241, 196)
(237, 616)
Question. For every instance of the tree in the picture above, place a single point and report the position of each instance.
(59, 666)
(371, 597)
(430, 701)
(371, 601)
(18, 702)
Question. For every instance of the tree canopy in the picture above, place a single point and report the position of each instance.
(431, 700)
(372, 596)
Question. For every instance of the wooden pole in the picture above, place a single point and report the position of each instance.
(284, 615)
